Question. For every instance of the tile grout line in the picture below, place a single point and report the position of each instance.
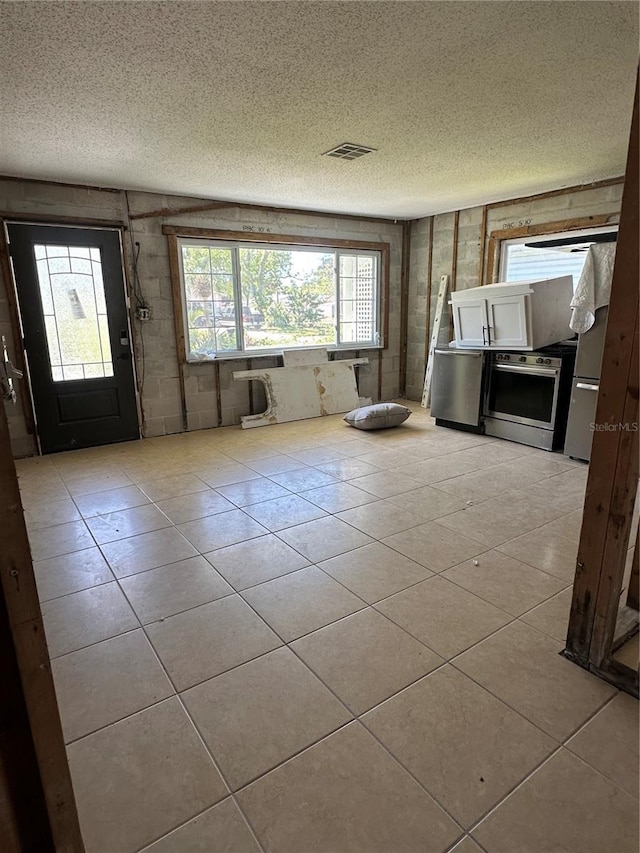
(560, 747)
(166, 699)
(191, 721)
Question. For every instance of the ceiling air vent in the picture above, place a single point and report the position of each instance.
(349, 151)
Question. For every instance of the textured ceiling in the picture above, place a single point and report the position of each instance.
(465, 102)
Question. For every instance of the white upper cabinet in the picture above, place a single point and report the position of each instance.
(470, 321)
(508, 321)
(523, 315)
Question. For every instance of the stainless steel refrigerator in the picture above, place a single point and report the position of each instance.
(584, 391)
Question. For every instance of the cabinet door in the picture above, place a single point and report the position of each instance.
(508, 321)
(470, 322)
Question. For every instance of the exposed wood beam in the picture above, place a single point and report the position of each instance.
(178, 324)
(56, 219)
(454, 266)
(633, 593)
(613, 471)
(6, 273)
(427, 335)
(405, 271)
(216, 374)
(483, 245)
(58, 184)
(21, 610)
(236, 205)
(595, 185)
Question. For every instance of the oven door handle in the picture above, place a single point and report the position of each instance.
(534, 371)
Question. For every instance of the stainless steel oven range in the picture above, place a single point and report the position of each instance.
(527, 395)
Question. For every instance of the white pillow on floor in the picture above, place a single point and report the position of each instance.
(378, 416)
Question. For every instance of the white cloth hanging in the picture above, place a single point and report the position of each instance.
(594, 287)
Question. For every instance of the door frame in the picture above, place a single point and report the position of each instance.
(7, 273)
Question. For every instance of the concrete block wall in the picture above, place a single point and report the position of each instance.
(155, 345)
(537, 211)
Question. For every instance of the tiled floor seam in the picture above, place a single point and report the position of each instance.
(196, 729)
(394, 695)
(535, 770)
(512, 791)
(150, 844)
(452, 662)
(597, 770)
(492, 603)
(295, 571)
(232, 793)
(463, 831)
(452, 848)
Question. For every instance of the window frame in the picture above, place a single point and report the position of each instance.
(568, 226)
(543, 238)
(260, 239)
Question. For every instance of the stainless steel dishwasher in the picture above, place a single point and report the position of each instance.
(456, 388)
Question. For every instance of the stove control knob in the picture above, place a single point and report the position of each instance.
(506, 357)
(547, 361)
(539, 361)
(522, 358)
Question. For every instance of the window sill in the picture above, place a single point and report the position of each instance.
(253, 354)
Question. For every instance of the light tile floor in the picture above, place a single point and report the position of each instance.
(308, 639)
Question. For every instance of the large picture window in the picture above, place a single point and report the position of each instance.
(249, 297)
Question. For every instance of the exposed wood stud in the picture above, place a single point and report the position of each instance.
(405, 271)
(619, 523)
(6, 273)
(216, 374)
(18, 589)
(613, 471)
(483, 245)
(250, 388)
(385, 289)
(633, 596)
(494, 245)
(178, 322)
(427, 332)
(454, 266)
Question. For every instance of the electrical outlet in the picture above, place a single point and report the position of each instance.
(143, 313)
